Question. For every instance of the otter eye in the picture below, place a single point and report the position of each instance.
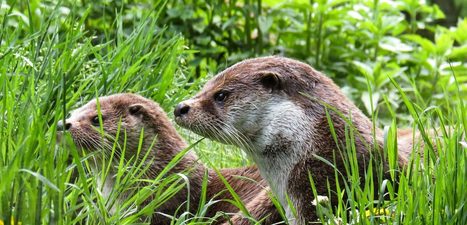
(220, 96)
(95, 121)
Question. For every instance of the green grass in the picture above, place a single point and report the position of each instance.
(54, 65)
(430, 190)
(48, 71)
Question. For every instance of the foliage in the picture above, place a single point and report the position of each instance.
(361, 44)
(51, 67)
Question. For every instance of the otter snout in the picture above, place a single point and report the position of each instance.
(181, 109)
(63, 127)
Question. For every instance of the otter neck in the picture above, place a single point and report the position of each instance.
(289, 134)
(168, 139)
(284, 138)
(168, 145)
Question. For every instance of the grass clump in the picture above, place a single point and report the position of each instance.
(51, 68)
(428, 189)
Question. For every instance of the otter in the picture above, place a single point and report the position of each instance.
(280, 112)
(140, 117)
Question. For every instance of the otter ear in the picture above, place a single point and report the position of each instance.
(271, 81)
(136, 109)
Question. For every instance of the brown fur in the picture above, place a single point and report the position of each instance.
(250, 86)
(137, 113)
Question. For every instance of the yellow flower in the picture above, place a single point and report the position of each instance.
(12, 222)
(377, 212)
(381, 213)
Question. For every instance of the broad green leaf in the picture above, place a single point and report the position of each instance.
(426, 44)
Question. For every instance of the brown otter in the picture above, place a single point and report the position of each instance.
(278, 110)
(141, 117)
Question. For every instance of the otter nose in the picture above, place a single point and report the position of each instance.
(61, 127)
(181, 109)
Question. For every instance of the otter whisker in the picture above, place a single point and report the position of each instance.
(219, 132)
(238, 136)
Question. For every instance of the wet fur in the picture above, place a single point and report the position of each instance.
(276, 111)
(150, 118)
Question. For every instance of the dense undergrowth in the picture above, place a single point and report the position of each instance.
(390, 57)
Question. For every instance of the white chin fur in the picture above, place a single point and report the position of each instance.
(279, 117)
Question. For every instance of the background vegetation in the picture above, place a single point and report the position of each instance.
(400, 61)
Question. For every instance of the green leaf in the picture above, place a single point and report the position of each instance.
(394, 44)
(42, 179)
(460, 34)
(443, 43)
(426, 44)
(265, 23)
(364, 69)
(375, 96)
(459, 53)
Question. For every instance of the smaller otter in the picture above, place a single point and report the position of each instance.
(136, 117)
(279, 111)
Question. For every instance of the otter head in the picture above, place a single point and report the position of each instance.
(121, 119)
(255, 102)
